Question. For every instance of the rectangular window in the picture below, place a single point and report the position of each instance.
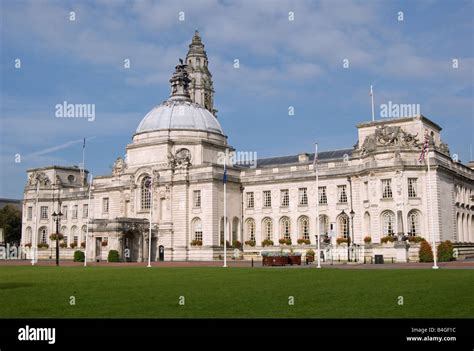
(74, 211)
(85, 211)
(105, 205)
(44, 212)
(267, 198)
(29, 214)
(323, 198)
(250, 200)
(64, 211)
(366, 190)
(386, 188)
(197, 198)
(412, 187)
(342, 193)
(303, 196)
(285, 197)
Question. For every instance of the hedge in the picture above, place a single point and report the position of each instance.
(113, 256)
(425, 253)
(78, 256)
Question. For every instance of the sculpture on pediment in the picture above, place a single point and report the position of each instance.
(39, 178)
(443, 147)
(388, 136)
(119, 166)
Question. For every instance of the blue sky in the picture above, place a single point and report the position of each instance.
(282, 63)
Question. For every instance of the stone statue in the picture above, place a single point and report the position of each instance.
(39, 177)
(119, 166)
(388, 136)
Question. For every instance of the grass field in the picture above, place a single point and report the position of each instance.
(133, 292)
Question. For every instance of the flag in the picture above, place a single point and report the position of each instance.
(424, 149)
(84, 144)
(315, 160)
(224, 177)
(371, 92)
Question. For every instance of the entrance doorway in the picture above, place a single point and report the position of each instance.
(98, 249)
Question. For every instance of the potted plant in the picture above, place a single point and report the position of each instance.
(43, 246)
(341, 241)
(62, 245)
(53, 237)
(250, 243)
(105, 242)
(237, 244)
(415, 239)
(310, 255)
(73, 245)
(367, 239)
(83, 244)
(196, 242)
(387, 239)
(267, 242)
(285, 241)
(304, 242)
(28, 245)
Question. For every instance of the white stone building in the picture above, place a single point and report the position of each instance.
(172, 167)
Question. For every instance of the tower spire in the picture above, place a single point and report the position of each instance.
(201, 87)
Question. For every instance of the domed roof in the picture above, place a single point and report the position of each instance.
(179, 114)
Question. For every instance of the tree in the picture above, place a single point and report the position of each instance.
(10, 222)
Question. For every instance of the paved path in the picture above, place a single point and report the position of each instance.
(466, 264)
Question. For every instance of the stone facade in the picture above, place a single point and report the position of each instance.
(172, 174)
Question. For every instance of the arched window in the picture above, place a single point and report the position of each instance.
(388, 223)
(267, 229)
(43, 235)
(285, 228)
(83, 233)
(235, 229)
(367, 227)
(145, 192)
(74, 234)
(250, 224)
(323, 225)
(303, 226)
(64, 233)
(413, 223)
(343, 221)
(222, 231)
(28, 233)
(197, 229)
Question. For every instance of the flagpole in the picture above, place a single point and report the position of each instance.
(88, 219)
(151, 214)
(433, 238)
(225, 211)
(83, 160)
(372, 98)
(317, 203)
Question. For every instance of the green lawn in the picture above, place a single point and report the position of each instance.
(234, 292)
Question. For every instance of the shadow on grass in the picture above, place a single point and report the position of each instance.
(6, 286)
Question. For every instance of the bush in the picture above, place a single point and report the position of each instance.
(267, 242)
(445, 251)
(415, 239)
(340, 241)
(196, 243)
(425, 253)
(387, 239)
(367, 240)
(304, 242)
(250, 243)
(113, 256)
(79, 256)
(310, 252)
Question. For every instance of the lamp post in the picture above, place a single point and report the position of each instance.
(57, 220)
(352, 214)
(150, 189)
(344, 215)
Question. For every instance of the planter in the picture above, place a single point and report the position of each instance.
(275, 260)
(294, 260)
(310, 258)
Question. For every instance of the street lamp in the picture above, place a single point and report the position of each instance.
(352, 214)
(57, 220)
(343, 214)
